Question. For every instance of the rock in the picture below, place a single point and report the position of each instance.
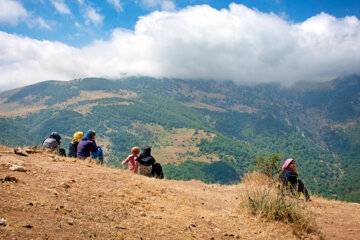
(28, 226)
(2, 222)
(10, 179)
(18, 168)
(65, 185)
(20, 152)
(70, 223)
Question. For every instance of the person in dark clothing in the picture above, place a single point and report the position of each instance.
(73, 145)
(290, 179)
(53, 143)
(145, 161)
(147, 164)
(88, 145)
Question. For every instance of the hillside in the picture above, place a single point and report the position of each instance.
(205, 130)
(65, 198)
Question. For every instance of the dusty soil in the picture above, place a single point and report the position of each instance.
(65, 198)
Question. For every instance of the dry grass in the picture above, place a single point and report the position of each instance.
(264, 198)
(206, 106)
(65, 198)
(15, 109)
(176, 145)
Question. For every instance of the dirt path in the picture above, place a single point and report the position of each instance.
(64, 198)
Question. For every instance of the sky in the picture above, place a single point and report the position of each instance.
(249, 41)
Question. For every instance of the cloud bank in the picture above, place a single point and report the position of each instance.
(11, 12)
(200, 42)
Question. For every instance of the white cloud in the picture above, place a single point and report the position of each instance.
(92, 17)
(60, 6)
(165, 5)
(12, 12)
(198, 42)
(42, 23)
(117, 5)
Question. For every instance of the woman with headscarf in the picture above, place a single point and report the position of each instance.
(88, 146)
(53, 142)
(145, 161)
(73, 145)
(290, 178)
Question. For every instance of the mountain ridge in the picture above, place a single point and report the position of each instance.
(246, 121)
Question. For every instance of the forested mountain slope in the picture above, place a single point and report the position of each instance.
(206, 130)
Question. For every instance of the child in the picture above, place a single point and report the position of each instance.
(133, 165)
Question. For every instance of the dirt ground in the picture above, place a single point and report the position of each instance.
(65, 198)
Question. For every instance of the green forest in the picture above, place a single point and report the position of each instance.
(318, 126)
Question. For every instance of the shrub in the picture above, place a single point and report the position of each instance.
(270, 166)
(261, 197)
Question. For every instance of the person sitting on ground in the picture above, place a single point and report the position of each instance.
(73, 145)
(53, 143)
(133, 165)
(88, 145)
(145, 161)
(290, 178)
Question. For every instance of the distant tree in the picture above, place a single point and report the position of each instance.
(269, 166)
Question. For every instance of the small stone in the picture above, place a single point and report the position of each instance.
(70, 223)
(28, 226)
(18, 168)
(20, 152)
(10, 179)
(192, 225)
(120, 227)
(30, 204)
(64, 185)
(2, 222)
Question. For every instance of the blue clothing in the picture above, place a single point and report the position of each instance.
(88, 135)
(86, 147)
(98, 154)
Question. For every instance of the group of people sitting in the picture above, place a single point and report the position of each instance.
(83, 146)
(144, 164)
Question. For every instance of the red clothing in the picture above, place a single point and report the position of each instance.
(133, 165)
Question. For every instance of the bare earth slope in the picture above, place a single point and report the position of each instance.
(65, 198)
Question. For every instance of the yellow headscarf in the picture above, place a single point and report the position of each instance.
(78, 136)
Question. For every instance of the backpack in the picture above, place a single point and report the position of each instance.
(157, 171)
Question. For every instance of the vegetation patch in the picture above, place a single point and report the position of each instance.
(261, 197)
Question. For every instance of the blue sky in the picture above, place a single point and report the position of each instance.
(243, 41)
(68, 21)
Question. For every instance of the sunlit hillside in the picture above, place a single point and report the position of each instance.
(64, 198)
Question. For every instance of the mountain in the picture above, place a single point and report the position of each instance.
(205, 130)
(65, 198)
